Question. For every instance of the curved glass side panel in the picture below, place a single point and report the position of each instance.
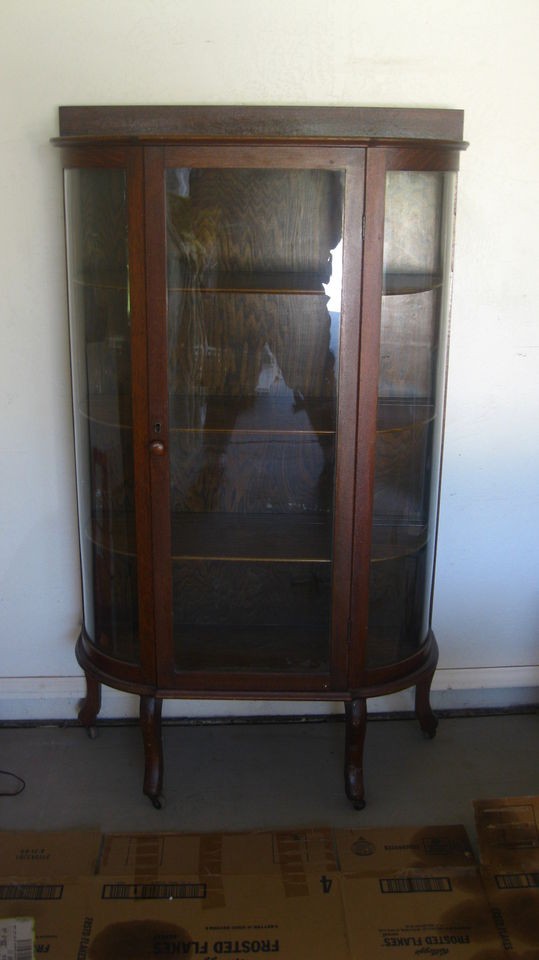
(98, 278)
(253, 336)
(417, 262)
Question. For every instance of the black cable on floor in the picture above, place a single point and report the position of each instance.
(19, 780)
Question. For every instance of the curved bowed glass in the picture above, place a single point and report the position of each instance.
(98, 278)
(416, 290)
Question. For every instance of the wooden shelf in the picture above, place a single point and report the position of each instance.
(108, 411)
(259, 415)
(385, 646)
(257, 538)
(295, 283)
(403, 284)
(103, 279)
(115, 536)
(395, 415)
(254, 538)
(394, 541)
(264, 648)
(229, 537)
(122, 642)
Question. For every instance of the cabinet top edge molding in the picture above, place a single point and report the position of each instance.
(177, 123)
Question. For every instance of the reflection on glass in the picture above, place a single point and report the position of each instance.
(410, 402)
(253, 349)
(101, 365)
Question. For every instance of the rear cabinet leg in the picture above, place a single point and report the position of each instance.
(428, 720)
(356, 728)
(91, 705)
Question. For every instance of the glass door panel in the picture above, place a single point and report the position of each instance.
(253, 267)
(417, 250)
(98, 275)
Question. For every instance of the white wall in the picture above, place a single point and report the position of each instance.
(480, 55)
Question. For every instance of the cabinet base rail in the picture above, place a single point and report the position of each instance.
(355, 707)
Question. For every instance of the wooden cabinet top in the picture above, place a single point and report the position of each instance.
(268, 124)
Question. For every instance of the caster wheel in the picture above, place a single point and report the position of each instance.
(429, 729)
(92, 733)
(358, 804)
(156, 803)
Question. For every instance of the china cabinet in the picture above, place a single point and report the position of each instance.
(258, 304)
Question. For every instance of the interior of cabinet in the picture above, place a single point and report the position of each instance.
(410, 400)
(253, 365)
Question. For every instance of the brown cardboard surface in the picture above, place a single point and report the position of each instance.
(412, 892)
(53, 904)
(508, 831)
(308, 850)
(509, 850)
(286, 853)
(30, 853)
(397, 848)
(119, 920)
(309, 893)
(420, 914)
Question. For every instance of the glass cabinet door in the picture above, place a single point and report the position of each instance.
(253, 326)
(99, 308)
(416, 265)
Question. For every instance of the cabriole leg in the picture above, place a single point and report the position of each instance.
(356, 728)
(150, 725)
(91, 705)
(423, 710)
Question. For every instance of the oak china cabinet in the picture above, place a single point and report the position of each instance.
(258, 304)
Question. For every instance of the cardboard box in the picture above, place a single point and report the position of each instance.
(508, 834)
(311, 893)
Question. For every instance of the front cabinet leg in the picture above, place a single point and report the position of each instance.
(423, 710)
(150, 725)
(356, 728)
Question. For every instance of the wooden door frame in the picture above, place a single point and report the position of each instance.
(158, 159)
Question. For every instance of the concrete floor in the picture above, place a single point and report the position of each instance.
(263, 775)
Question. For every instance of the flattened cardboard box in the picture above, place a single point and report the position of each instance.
(415, 893)
(315, 894)
(508, 834)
